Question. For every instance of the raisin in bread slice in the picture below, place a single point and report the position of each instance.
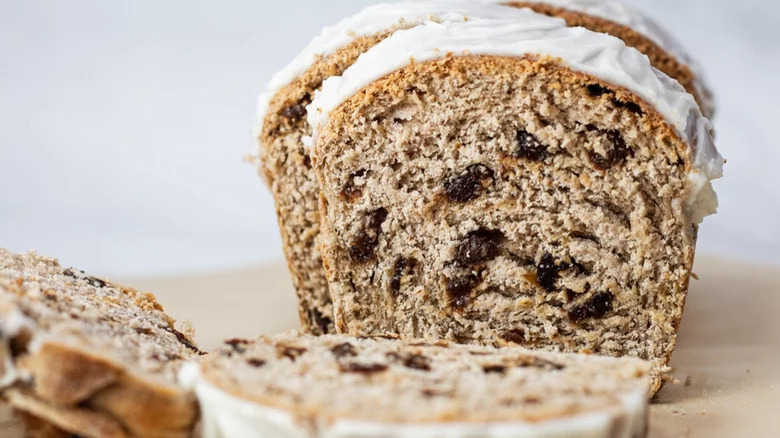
(93, 358)
(618, 19)
(334, 386)
(512, 185)
(284, 159)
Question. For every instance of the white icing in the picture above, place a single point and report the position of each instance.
(377, 19)
(225, 415)
(618, 12)
(596, 54)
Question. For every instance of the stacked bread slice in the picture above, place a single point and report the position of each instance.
(499, 178)
(90, 357)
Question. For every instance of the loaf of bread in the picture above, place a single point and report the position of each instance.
(500, 182)
(284, 160)
(336, 386)
(92, 358)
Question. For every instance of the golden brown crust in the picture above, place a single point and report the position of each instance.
(64, 378)
(83, 422)
(18, 424)
(660, 58)
(67, 377)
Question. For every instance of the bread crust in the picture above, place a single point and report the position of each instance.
(64, 377)
(85, 422)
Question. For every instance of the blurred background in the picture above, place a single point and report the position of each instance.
(124, 123)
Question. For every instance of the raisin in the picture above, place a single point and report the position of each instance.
(350, 191)
(363, 246)
(322, 322)
(257, 363)
(344, 350)
(616, 155)
(596, 306)
(584, 236)
(237, 345)
(291, 353)
(144, 331)
(403, 266)
(79, 275)
(479, 247)
(529, 147)
(470, 185)
(540, 363)
(515, 336)
(630, 106)
(294, 112)
(360, 368)
(414, 361)
(167, 357)
(494, 369)
(459, 290)
(596, 90)
(184, 340)
(548, 271)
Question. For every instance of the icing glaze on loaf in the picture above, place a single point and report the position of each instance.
(227, 416)
(384, 16)
(600, 55)
(620, 13)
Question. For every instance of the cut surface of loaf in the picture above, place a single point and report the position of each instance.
(284, 160)
(93, 358)
(334, 386)
(511, 187)
(615, 18)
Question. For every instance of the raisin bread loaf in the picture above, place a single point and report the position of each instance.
(512, 184)
(93, 358)
(283, 158)
(618, 19)
(338, 386)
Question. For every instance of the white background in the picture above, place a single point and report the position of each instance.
(123, 124)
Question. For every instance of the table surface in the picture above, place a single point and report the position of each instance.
(727, 359)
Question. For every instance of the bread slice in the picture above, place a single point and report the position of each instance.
(636, 30)
(93, 358)
(511, 185)
(295, 385)
(284, 160)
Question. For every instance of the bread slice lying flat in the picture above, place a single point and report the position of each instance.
(93, 358)
(296, 385)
